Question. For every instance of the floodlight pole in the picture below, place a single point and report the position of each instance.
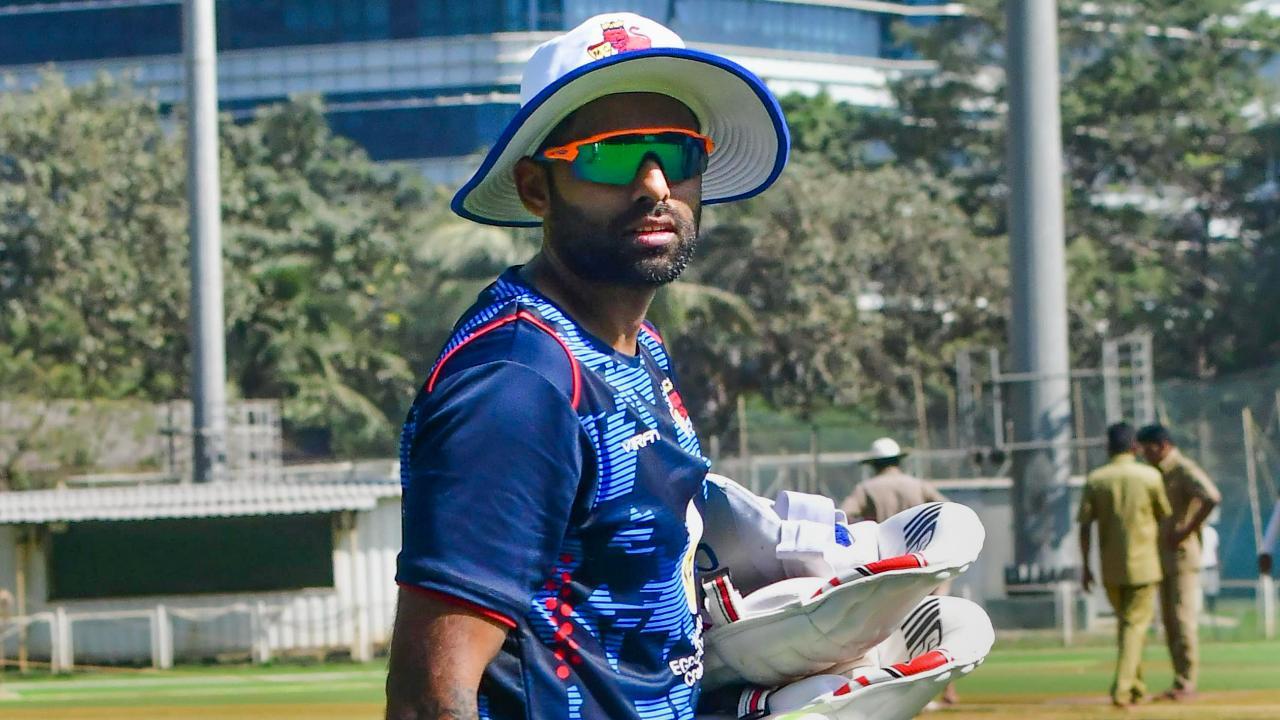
(1038, 327)
(208, 372)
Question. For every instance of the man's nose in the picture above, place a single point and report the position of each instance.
(651, 181)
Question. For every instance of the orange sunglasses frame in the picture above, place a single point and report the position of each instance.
(569, 151)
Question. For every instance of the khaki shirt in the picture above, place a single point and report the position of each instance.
(888, 494)
(1185, 481)
(1127, 500)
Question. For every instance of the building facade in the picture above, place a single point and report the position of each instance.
(434, 81)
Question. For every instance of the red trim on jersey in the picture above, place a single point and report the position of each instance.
(495, 324)
(651, 332)
(573, 362)
(492, 325)
(456, 601)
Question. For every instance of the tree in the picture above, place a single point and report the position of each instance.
(1156, 102)
(92, 263)
(852, 279)
(342, 276)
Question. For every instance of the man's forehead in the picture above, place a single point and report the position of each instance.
(624, 111)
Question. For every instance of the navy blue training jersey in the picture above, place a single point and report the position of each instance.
(553, 484)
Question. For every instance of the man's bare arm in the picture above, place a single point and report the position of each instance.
(438, 653)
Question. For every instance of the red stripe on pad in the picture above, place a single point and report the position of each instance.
(463, 603)
(901, 562)
(726, 600)
(833, 582)
(921, 663)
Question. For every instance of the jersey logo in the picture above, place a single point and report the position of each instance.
(618, 39)
(648, 437)
(675, 405)
(690, 667)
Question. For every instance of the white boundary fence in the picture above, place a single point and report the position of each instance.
(268, 624)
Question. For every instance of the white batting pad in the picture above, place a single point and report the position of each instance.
(942, 639)
(774, 627)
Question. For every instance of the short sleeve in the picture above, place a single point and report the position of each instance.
(1087, 512)
(857, 506)
(1199, 485)
(494, 462)
(1159, 500)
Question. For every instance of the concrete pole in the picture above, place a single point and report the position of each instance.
(1038, 327)
(20, 587)
(209, 375)
(1266, 594)
(161, 638)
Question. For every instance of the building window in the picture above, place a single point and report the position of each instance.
(423, 132)
(125, 30)
(90, 34)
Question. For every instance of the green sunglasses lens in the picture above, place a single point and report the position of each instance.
(615, 161)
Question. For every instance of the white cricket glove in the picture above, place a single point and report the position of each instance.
(793, 591)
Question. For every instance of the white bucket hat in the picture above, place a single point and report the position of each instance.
(884, 449)
(626, 53)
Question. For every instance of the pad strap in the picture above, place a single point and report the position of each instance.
(754, 704)
(807, 531)
(723, 599)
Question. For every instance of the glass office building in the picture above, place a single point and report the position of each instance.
(434, 81)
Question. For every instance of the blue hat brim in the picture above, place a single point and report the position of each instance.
(696, 79)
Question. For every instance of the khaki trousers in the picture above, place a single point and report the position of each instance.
(1135, 606)
(1180, 609)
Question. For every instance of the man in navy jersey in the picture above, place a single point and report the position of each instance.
(552, 477)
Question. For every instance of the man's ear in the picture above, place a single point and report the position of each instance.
(533, 186)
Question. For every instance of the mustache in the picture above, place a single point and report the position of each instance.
(659, 209)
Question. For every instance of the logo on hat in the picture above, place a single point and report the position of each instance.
(617, 39)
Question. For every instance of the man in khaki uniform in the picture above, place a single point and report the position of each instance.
(1192, 496)
(890, 491)
(887, 493)
(1127, 500)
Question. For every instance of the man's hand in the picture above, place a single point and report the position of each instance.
(1178, 534)
(1086, 537)
(438, 653)
(1264, 564)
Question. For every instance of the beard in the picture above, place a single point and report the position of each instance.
(601, 252)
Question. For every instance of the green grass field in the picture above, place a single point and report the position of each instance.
(1241, 681)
